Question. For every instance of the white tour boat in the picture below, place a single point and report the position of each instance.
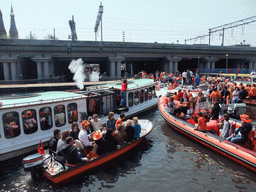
(25, 119)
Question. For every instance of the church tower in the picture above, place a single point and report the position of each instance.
(2, 29)
(13, 30)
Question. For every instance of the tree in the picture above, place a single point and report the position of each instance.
(51, 37)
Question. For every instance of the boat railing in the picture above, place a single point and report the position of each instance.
(41, 101)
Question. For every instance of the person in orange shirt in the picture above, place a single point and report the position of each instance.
(175, 84)
(120, 120)
(248, 89)
(201, 123)
(175, 96)
(215, 93)
(253, 91)
(240, 86)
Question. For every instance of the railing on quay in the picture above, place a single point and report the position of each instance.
(230, 70)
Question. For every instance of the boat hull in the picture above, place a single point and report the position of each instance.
(98, 164)
(104, 160)
(236, 153)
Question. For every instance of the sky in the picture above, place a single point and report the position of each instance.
(149, 21)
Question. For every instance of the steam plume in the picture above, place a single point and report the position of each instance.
(77, 68)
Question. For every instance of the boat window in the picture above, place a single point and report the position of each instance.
(108, 104)
(59, 115)
(93, 106)
(72, 113)
(141, 96)
(153, 91)
(45, 116)
(136, 97)
(29, 121)
(130, 99)
(118, 97)
(146, 94)
(150, 93)
(11, 124)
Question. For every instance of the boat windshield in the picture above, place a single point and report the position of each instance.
(203, 106)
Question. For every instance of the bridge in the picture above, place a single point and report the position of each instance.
(22, 59)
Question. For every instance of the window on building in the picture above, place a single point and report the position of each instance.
(130, 99)
(72, 113)
(11, 124)
(45, 116)
(29, 121)
(59, 115)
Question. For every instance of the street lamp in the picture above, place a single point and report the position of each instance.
(226, 63)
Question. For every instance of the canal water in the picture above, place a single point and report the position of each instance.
(170, 162)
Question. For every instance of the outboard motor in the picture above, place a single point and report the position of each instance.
(33, 164)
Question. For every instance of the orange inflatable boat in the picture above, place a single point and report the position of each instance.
(244, 154)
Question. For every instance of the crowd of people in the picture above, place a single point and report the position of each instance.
(92, 138)
(220, 90)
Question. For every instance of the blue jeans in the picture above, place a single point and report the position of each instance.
(123, 98)
(236, 139)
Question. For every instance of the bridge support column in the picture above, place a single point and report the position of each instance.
(39, 70)
(7, 71)
(173, 63)
(252, 61)
(171, 67)
(14, 71)
(251, 65)
(46, 70)
(210, 63)
(118, 69)
(112, 69)
(11, 67)
(213, 65)
(115, 65)
(44, 67)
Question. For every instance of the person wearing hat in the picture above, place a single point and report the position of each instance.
(101, 143)
(241, 133)
(85, 137)
(215, 109)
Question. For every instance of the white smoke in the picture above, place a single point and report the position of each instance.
(77, 68)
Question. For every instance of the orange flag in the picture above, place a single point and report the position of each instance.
(40, 148)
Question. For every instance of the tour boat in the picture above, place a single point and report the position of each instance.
(30, 117)
(57, 172)
(244, 154)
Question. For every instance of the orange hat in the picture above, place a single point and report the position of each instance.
(97, 135)
(85, 123)
(29, 113)
(245, 118)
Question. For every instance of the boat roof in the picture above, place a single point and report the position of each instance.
(132, 84)
(23, 99)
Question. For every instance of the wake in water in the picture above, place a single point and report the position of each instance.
(77, 68)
